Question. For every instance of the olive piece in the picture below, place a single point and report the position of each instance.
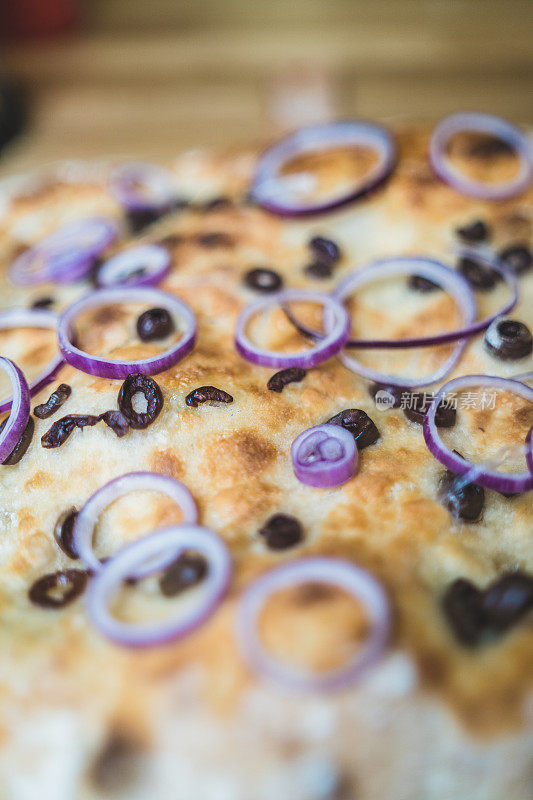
(281, 531)
(137, 383)
(518, 257)
(263, 280)
(463, 501)
(58, 589)
(54, 402)
(186, 571)
(359, 424)
(43, 302)
(478, 275)
(207, 393)
(317, 269)
(416, 409)
(463, 606)
(325, 250)
(421, 284)
(290, 375)
(62, 428)
(23, 443)
(156, 323)
(508, 339)
(474, 233)
(508, 599)
(215, 239)
(64, 531)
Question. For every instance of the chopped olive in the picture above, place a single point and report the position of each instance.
(263, 280)
(463, 501)
(386, 396)
(59, 588)
(415, 410)
(421, 284)
(359, 424)
(478, 275)
(324, 250)
(117, 767)
(206, 394)
(137, 383)
(518, 257)
(215, 239)
(186, 571)
(508, 339)
(508, 599)
(22, 445)
(281, 531)
(64, 530)
(116, 421)
(156, 323)
(475, 232)
(171, 240)
(141, 218)
(290, 375)
(43, 302)
(54, 402)
(463, 606)
(317, 269)
(61, 430)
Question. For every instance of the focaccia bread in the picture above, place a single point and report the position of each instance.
(436, 718)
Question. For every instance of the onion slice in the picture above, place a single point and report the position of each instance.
(32, 318)
(329, 345)
(20, 409)
(87, 518)
(493, 126)
(324, 456)
(490, 479)
(66, 255)
(106, 367)
(159, 547)
(285, 195)
(349, 577)
(138, 186)
(144, 265)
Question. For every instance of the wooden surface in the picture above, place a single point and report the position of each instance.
(151, 77)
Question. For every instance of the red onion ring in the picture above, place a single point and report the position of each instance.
(490, 479)
(480, 123)
(529, 450)
(273, 192)
(106, 367)
(329, 345)
(165, 545)
(20, 409)
(142, 187)
(87, 518)
(32, 318)
(354, 580)
(324, 456)
(66, 255)
(152, 259)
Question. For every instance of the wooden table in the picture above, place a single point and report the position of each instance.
(151, 78)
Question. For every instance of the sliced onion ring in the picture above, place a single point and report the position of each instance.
(87, 518)
(349, 577)
(163, 545)
(142, 187)
(66, 255)
(280, 194)
(20, 409)
(529, 450)
(32, 318)
(106, 367)
(490, 479)
(329, 345)
(144, 265)
(324, 456)
(480, 123)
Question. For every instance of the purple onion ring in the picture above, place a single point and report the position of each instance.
(324, 456)
(142, 187)
(164, 545)
(32, 318)
(480, 123)
(490, 479)
(106, 367)
(351, 578)
(328, 346)
(87, 518)
(280, 194)
(143, 265)
(20, 409)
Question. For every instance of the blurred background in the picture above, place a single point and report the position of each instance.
(83, 78)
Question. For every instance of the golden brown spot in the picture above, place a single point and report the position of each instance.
(38, 480)
(255, 452)
(116, 767)
(524, 415)
(167, 463)
(108, 314)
